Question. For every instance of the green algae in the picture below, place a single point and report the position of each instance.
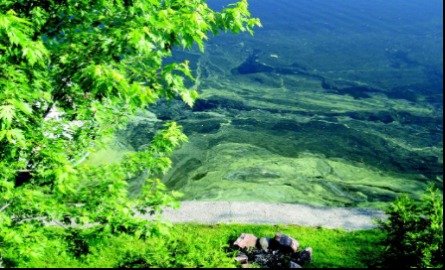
(249, 173)
(309, 114)
(312, 117)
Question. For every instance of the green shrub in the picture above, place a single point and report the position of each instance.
(196, 246)
(414, 231)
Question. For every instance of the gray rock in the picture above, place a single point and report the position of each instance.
(264, 243)
(259, 256)
(242, 258)
(261, 259)
(246, 240)
(305, 256)
(294, 265)
(287, 242)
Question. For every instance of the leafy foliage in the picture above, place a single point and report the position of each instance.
(194, 245)
(415, 231)
(72, 72)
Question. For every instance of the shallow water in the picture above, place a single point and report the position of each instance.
(332, 102)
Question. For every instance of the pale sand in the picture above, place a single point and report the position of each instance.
(272, 213)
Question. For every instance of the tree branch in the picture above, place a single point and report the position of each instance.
(5, 206)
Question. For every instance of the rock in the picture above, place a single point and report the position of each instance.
(277, 252)
(286, 242)
(264, 243)
(262, 259)
(294, 265)
(241, 258)
(305, 256)
(246, 240)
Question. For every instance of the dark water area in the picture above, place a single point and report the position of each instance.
(331, 102)
(406, 35)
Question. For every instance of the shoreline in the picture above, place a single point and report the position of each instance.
(273, 214)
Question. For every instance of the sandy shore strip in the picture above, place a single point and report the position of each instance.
(273, 213)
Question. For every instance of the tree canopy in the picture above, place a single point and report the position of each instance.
(72, 72)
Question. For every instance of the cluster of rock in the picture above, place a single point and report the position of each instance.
(280, 251)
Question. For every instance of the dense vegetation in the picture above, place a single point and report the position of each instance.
(72, 73)
(401, 241)
(194, 245)
(414, 231)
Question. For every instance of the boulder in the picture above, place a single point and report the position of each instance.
(286, 243)
(281, 251)
(264, 243)
(246, 240)
(242, 258)
(305, 256)
(294, 265)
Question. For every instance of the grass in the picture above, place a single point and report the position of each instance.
(195, 245)
(333, 248)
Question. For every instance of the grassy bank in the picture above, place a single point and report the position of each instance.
(194, 245)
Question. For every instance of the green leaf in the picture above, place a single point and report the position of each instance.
(189, 97)
(15, 136)
(34, 52)
(22, 106)
(97, 63)
(7, 114)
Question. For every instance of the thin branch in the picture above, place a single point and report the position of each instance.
(58, 223)
(5, 206)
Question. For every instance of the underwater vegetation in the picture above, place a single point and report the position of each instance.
(325, 105)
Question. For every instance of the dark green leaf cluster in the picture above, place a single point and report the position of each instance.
(415, 231)
(72, 72)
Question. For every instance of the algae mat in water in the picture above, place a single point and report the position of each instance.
(335, 103)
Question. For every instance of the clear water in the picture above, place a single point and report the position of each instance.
(332, 102)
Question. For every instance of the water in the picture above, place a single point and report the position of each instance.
(332, 102)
